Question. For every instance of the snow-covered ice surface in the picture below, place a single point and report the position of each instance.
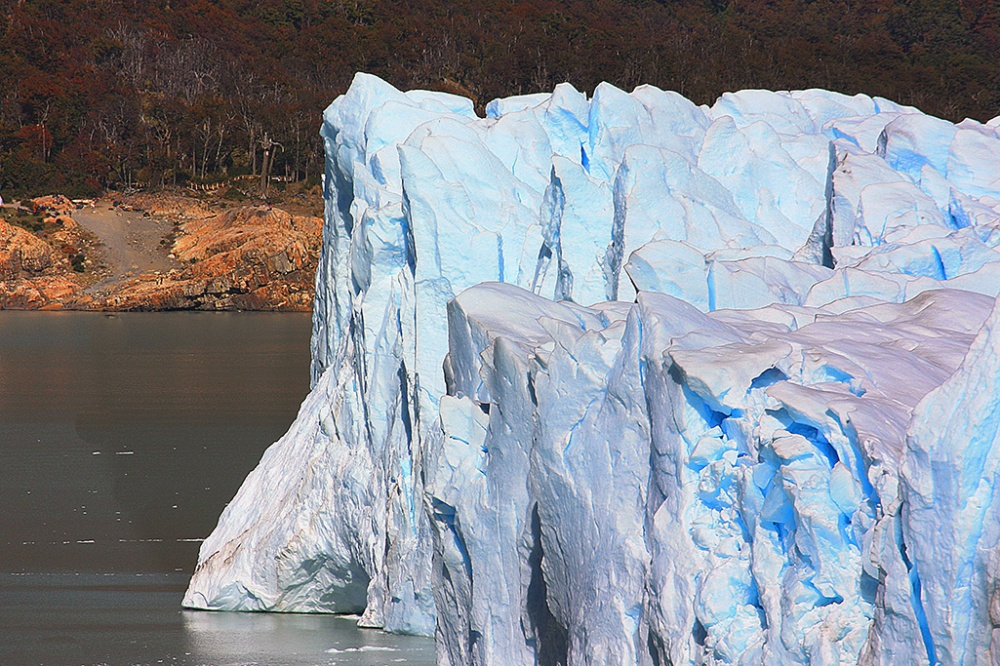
(626, 380)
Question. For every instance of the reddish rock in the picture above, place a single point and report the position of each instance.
(65, 222)
(50, 292)
(22, 253)
(173, 206)
(55, 203)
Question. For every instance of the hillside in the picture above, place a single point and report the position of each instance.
(118, 93)
(162, 251)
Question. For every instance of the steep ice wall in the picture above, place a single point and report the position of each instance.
(709, 488)
(673, 423)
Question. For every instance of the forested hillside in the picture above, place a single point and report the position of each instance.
(108, 93)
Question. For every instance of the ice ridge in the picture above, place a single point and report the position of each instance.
(624, 380)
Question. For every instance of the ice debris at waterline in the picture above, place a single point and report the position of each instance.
(770, 437)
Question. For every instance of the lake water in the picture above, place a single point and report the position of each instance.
(121, 440)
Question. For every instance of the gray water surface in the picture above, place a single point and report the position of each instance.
(121, 440)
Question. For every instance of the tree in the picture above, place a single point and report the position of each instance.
(268, 146)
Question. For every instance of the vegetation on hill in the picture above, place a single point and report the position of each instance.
(112, 93)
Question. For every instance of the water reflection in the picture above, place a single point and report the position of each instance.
(287, 638)
(112, 619)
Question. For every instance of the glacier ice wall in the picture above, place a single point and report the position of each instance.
(622, 379)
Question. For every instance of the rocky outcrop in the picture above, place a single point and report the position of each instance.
(56, 204)
(22, 254)
(37, 271)
(174, 206)
(51, 292)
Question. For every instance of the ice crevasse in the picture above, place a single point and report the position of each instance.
(621, 379)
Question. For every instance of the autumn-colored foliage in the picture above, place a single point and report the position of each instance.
(102, 93)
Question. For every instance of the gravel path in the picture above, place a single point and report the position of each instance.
(130, 241)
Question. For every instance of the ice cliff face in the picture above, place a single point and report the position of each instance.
(625, 380)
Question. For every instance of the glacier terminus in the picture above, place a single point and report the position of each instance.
(621, 379)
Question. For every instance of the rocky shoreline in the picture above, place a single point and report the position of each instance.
(162, 251)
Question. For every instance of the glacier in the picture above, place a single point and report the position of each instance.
(621, 379)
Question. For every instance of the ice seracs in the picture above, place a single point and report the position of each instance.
(622, 379)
